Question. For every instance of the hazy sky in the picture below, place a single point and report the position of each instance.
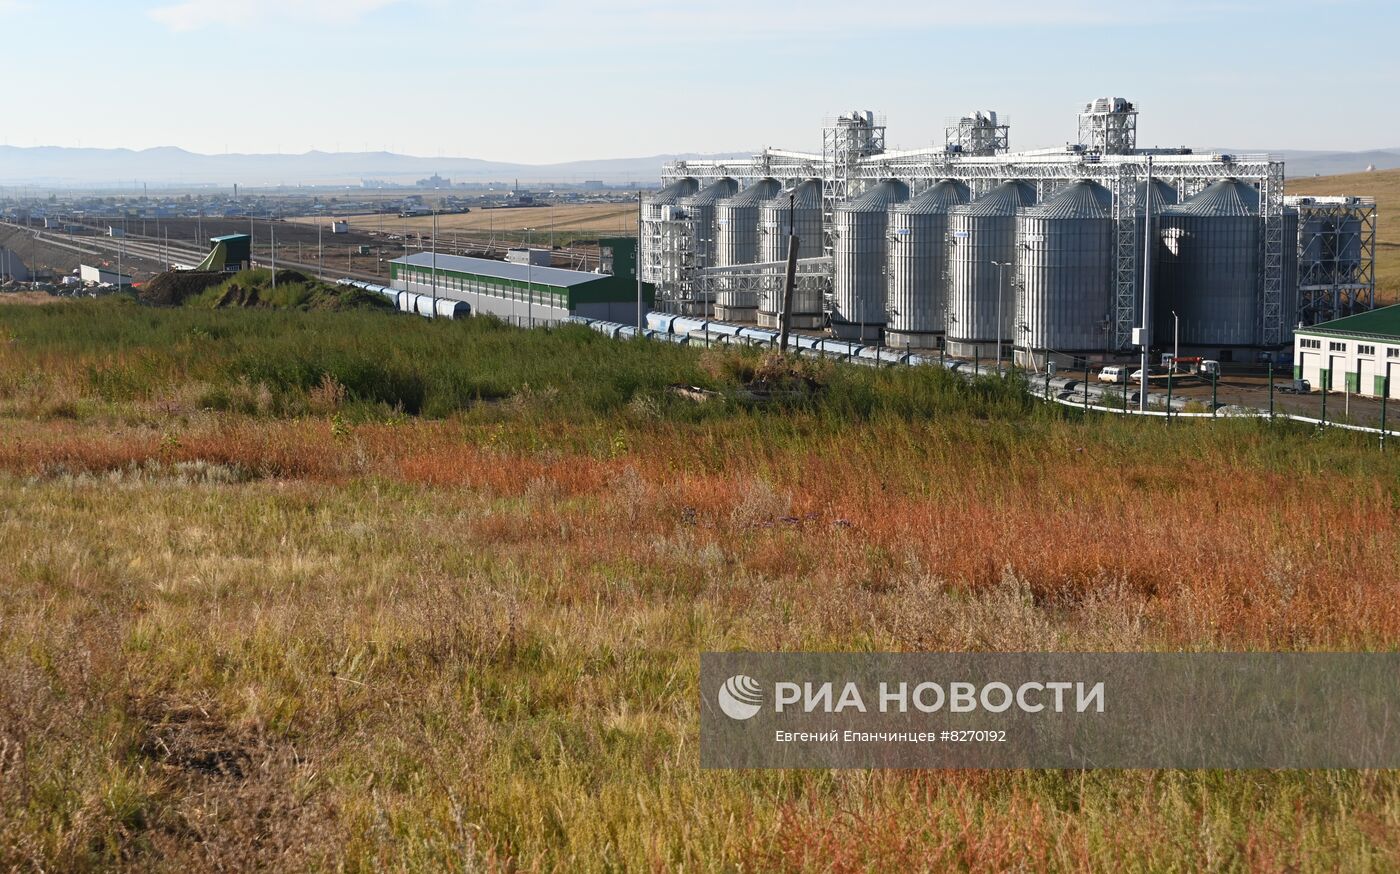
(555, 80)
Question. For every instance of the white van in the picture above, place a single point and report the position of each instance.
(1115, 373)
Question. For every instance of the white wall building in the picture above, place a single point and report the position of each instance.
(1359, 354)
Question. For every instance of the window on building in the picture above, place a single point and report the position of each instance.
(1334, 346)
(1363, 349)
(1307, 343)
(1392, 352)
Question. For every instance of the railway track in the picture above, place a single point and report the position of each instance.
(162, 251)
(159, 252)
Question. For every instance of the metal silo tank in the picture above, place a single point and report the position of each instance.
(1208, 268)
(979, 233)
(700, 209)
(808, 304)
(918, 265)
(859, 239)
(736, 242)
(1068, 259)
(652, 206)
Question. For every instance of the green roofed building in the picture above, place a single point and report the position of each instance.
(1359, 354)
(229, 254)
(526, 294)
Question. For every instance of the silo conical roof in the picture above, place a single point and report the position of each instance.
(763, 189)
(879, 197)
(938, 198)
(1003, 200)
(1078, 200)
(675, 191)
(1227, 197)
(809, 195)
(715, 191)
(1163, 195)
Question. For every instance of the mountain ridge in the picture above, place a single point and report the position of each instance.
(69, 167)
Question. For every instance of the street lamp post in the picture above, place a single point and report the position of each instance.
(1001, 286)
(529, 278)
(1146, 321)
(1176, 338)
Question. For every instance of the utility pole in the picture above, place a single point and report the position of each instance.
(1146, 337)
(529, 275)
(320, 251)
(1176, 338)
(1271, 390)
(434, 269)
(790, 278)
(273, 231)
(1001, 286)
(637, 262)
(1385, 393)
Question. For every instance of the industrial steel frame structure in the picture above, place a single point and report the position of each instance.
(853, 158)
(1329, 287)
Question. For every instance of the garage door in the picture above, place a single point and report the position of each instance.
(1337, 368)
(1311, 364)
(1366, 370)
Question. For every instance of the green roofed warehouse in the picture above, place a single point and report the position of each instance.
(523, 293)
(1359, 354)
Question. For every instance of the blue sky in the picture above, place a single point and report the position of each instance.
(552, 80)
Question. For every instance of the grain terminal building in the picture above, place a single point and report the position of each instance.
(1359, 354)
(526, 294)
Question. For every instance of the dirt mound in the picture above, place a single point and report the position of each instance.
(173, 287)
(294, 291)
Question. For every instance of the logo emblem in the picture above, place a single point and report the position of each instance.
(740, 697)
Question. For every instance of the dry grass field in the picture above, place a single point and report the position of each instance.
(593, 218)
(1384, 186)
(349, 591)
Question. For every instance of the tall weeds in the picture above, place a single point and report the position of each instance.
(315, 590)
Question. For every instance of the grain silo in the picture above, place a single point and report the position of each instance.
(699, 209)
(737, 242)
(1067, 262)
(859, 236)
(918, 266)
(982, 234)
(1208, 270)
(805, 215)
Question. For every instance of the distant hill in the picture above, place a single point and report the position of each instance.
(65, 167)
(1298, 163)
(68, 168)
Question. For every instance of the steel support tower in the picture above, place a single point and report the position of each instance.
(1336, 256)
